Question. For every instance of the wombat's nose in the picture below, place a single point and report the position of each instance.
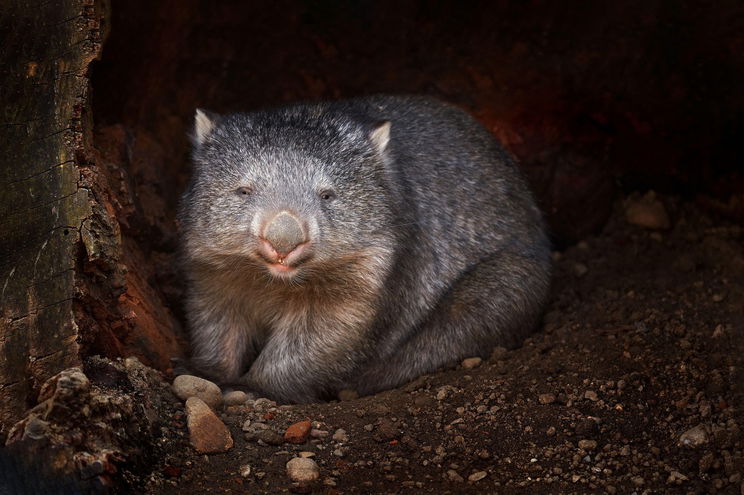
(284, 232)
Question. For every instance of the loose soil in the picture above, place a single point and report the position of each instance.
(643, 340)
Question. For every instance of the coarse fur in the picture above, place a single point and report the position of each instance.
(424, 246)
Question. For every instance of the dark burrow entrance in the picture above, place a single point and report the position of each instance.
(596, 101)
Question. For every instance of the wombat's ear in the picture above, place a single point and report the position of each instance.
(204, 122)
(380, 136)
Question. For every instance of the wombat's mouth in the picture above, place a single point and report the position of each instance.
(285, 266)
(282, 270)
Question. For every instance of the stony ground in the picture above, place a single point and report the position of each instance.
(634, 384)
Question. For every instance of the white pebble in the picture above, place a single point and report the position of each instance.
(186, 386)
(302, 469)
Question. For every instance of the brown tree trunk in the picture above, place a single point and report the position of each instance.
(45, 209)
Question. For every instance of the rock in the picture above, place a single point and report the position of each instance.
(587, 444)
(235, 398)
(694, 437)
(477, 476)
(318, 433)
(647, 212)
(591, 395)
(546, 398)
(245, 470)
(340, 435)
(36, 428)
(472, 362)
(637, 481)
(676, 478)
(303, 470)
(347, 394)
(298, 432)
(453, 475)
(306, 453)
(269, 437)
(207, 433)
(186, 386)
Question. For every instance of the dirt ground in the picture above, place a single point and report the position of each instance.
(633, 384)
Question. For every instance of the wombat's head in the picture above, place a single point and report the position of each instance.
(291, 193)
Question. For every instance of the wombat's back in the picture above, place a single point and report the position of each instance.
(462, 196)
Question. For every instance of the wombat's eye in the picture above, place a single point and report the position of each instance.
(327, 195)
(243, 191)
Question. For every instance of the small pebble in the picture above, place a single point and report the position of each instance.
(340, 435)
(315, 433)
(587, 444)
(347, 394)
(185, 386)
(339, 453)
(207, 433)
(676, 478)
(591, 395)
(546, 398)
(694, 436)
(647, 212)
(477, 476)
(245, 470)
(472, 362)
(303, 470)
(298, 432)
(453, 475)
(234, 398)
(270, 437)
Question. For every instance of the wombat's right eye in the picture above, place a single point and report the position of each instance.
(243, 191)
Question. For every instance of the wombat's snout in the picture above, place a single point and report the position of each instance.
(284, 233)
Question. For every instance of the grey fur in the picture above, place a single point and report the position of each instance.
(425, 246)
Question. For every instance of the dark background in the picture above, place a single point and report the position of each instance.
(592, 97)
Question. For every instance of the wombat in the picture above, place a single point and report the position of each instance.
(355, 244)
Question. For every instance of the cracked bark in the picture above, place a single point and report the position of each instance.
(43, 131)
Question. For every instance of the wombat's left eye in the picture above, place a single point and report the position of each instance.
(327, 195)
(243, 191)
